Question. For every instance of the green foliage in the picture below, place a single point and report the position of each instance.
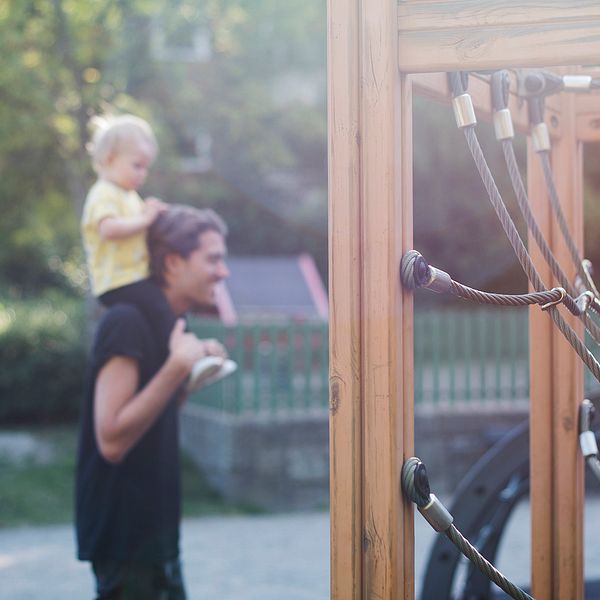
(258, 94)
(54, 59)
(42, 359)
(38, 489)
(261, 97)
(65, 60)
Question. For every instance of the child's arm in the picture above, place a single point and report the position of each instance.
(116, 228)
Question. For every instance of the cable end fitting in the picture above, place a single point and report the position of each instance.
(415, 272)
(562, 296)
(464, 112)
(503, 125)
(587, 438)
(414, 482)
(588, 444)
(577, 83)
(584, 301)
(540, 137)
(436, 514)
(439, 281)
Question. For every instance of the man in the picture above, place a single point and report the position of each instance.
(128, 475)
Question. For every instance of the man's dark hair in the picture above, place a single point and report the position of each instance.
(177, 231)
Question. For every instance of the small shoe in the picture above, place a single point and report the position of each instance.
(227, 368)
(209, 370)
(203, 369)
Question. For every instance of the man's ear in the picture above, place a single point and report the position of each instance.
(173, 263)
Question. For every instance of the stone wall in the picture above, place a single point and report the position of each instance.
(282, 463)
(274, 463)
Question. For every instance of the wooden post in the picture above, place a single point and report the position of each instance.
(345, 343)
(371, 340)
(556, 390)
(371, 320)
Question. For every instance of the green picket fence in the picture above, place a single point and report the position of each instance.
(461, 357)
(471, 356)
(475, 356)
(282, 367)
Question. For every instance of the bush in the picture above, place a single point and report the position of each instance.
(42, 359)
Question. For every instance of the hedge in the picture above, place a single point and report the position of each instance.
(42, 359)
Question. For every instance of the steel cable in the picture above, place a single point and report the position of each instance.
(521, 252)
(415, 273)
(484, 565)
(524, 206)
(562, 223)
(555, 295)
(415, 485)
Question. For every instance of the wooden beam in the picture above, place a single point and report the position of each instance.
(371, 319)
(436, 35)
(587, 109)
(345, 343)
(386, 313)
(541, 450)
(556, 390)
(567, 373)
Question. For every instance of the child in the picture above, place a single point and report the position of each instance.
(114, 224)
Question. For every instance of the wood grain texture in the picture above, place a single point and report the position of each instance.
(490, 34)
(556, 391)
(587, 109)
(567, 374)
(370, 226)
(344, 302)
(541, 450)
(386, 196)
(370, 321)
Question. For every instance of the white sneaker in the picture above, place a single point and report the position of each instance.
(209, 370)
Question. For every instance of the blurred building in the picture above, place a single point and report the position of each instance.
(272, 287)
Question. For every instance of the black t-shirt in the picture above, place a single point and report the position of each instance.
(129, 510)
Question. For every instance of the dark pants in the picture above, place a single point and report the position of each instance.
(147, 296)
(136, 581)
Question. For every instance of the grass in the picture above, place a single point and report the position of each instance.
(38, 489)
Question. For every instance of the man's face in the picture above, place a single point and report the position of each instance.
(196, 276)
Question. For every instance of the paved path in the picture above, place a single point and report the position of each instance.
(280, 557)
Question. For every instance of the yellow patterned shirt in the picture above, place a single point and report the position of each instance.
(112, 263)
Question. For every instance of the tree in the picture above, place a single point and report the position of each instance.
(66, 60)
(54, 60)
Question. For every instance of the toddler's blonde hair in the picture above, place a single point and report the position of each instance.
(114, 134)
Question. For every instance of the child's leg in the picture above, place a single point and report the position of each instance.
(149, 298)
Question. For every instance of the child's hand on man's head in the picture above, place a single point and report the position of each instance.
(152, 208)
(157, 202)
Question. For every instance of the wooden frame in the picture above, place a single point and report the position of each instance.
(375, 48)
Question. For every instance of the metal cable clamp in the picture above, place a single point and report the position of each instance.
(415, 486)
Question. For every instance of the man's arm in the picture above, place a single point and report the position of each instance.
(122, 414)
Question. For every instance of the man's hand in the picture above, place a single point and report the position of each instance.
(186, 348)
(214, 348)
